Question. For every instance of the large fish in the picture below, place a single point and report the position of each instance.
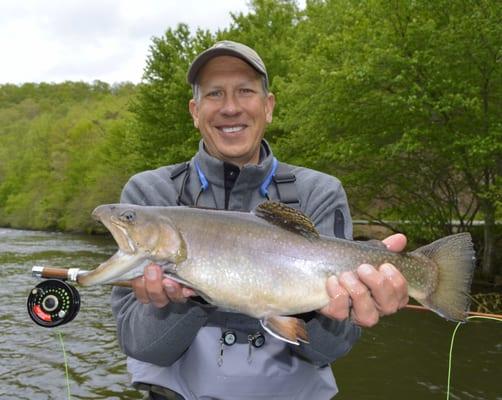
(270, 263)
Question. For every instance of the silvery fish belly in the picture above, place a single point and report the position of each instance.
(270, 263)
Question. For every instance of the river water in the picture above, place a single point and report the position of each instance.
(404, 357)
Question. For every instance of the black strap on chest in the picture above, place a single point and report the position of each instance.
(284, 180)
(180, 175)
(179, 169)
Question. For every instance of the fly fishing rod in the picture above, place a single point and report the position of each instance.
(472, 313)
(55, 301)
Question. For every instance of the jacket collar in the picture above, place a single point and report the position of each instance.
(252, 175)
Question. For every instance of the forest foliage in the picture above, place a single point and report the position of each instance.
(400, 99)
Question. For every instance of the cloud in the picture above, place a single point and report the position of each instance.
(59, 40)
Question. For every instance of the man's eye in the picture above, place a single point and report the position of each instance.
(214, 93)
(246, 91)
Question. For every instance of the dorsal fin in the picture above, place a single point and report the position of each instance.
(286, 217)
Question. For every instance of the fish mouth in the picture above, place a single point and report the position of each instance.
(119, 233)
(102, 214)
(125, 261)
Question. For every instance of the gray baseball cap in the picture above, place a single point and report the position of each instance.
(227, 48)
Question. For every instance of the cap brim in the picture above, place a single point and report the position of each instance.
(203, 58)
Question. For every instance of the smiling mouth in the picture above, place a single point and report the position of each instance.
(232, 129)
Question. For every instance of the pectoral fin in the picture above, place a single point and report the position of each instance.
(289, 329)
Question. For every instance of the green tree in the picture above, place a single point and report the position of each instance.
(64, 148)
(164, 126)
(402, 100)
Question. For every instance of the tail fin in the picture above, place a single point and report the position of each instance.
(455, 257)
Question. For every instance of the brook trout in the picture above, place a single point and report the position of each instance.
(272, 262)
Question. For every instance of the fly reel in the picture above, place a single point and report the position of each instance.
(53, 302)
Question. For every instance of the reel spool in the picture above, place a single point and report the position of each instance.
(53, 302)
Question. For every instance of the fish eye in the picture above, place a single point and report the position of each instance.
(128, 216)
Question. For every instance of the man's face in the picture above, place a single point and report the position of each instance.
(233, 110)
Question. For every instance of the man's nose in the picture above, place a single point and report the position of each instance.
(231, 105)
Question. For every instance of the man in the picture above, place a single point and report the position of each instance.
(179, 347)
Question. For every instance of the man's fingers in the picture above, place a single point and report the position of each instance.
(173, 290)
(364, 310)
(398, 282)
(153, 286)
(381, 289)
(338, 306)
(138, 286)
(387, 286)
(187, 292)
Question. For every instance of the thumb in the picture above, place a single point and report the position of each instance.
(395, 243)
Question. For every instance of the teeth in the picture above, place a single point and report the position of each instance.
(232, 129)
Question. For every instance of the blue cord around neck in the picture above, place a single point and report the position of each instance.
(204, 184)
(266, 183)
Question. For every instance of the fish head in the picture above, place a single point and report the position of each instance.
(142, 230)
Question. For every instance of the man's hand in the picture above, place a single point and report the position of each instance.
(154, 288)
(369, 293)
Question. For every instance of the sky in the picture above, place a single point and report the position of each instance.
(87, 40)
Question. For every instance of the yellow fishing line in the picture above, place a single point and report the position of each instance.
(451, 348)
(65, 364)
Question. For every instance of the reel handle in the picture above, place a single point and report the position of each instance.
(70, 274)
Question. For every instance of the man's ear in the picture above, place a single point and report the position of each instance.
(269, 108)
(194, 111)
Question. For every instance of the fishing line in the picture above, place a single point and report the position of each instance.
(65, 364)
(451, 347)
